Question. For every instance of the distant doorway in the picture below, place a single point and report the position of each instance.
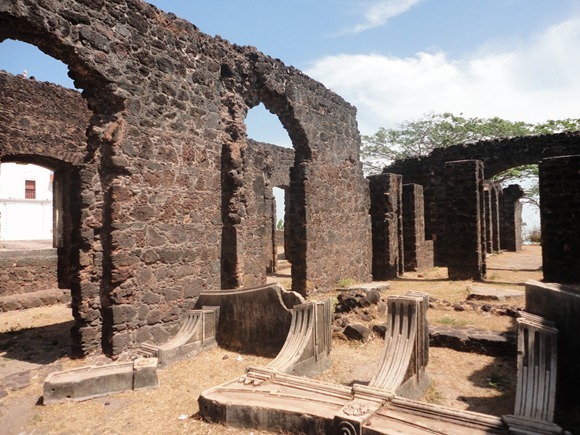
(26, 202)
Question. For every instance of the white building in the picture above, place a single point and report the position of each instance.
(25, 202)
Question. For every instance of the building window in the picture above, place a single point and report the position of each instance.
(30, 189)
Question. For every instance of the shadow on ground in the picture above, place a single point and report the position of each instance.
(500, 375)
(42, 345)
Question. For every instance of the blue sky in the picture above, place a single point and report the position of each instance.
(395, 60)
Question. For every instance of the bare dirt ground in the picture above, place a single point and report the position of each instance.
(22, 245)
(36, 341)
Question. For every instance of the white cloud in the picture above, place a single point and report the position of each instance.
(381, 11)
(531, 82)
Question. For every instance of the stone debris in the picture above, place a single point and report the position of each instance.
(488, 293)
(467, 339)
(351, 300)
(95, 381)
(357, 332)
(498, 310)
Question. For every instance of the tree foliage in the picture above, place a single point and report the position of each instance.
(420, 137)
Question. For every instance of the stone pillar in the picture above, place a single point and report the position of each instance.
(418, 251)
(488, 218)
(286, 226)
(496, 198)
(295, 227)
(386, 192)
(560, 217)
(511, 229)
(464, 230)
(66, 202)
(273, 225)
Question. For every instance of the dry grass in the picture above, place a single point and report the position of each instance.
(170, 409)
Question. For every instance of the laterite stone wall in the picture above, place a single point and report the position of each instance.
(166, 203)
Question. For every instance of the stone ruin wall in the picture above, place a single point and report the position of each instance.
(496, 155)
(161, 180)
(39, 113)
(560, 214)
(418, 252)
(494, 201)
(272, 160)
(267, 166)
(41, 121)
(27, 271)
(465, 219)
(511, 219)
(386, 212)
(44, 124)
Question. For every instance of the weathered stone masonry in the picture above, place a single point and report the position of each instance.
(268, 166)
(465, 219)
(44, 124)
(560, 213)
(496, 155)
(161, 180)
(27, 271)
(418, 252)
(511, 218)
(387, 225)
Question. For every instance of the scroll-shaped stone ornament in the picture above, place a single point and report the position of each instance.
(307, 348)
(197, 333)
(536, 378)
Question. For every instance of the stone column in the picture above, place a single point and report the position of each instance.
(273, 226)
(495, 190)
(386, 192)
(511, 229)
(66, 201)
(464, 229)
(295, 227)
(488, 219)
(418, 251)
(560, 217)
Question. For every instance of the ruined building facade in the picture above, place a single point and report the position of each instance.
(496, 156)
(158, 197)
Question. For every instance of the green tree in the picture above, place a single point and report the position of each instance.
(439, 130)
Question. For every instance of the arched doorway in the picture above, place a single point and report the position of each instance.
(47, 125)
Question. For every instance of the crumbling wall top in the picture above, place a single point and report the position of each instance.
(41, 119)
(497, 155)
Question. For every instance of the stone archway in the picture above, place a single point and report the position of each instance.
(325, 172)
(496, 155)
(45, 125)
